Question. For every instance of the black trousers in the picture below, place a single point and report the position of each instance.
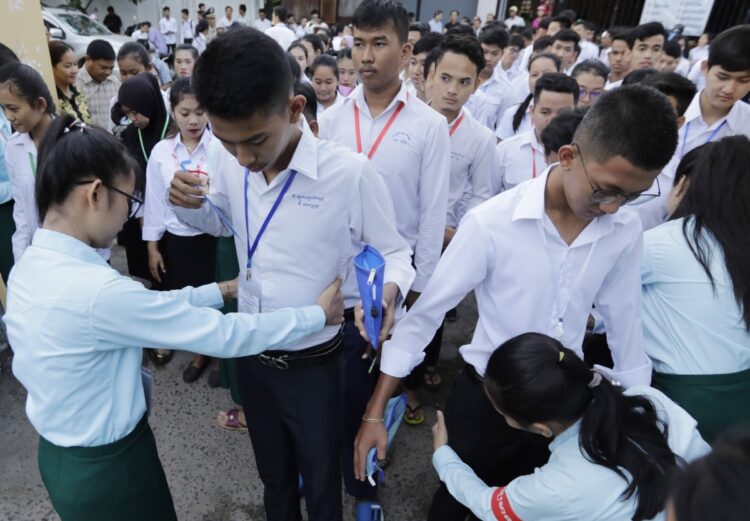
(484, 441)
(190, 261)
(136, 251)
(294, 417)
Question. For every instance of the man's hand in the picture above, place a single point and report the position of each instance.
(332, 302)
(185, 191)
(439, 432)
(155, 261)
(390, 294)
(370, 435)
(231, 289)
(450, 231)
(411, 298)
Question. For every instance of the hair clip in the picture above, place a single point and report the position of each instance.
(75, 124)
(562, 355)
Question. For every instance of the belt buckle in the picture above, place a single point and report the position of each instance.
(276, 363)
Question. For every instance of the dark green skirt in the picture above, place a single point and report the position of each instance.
(227, 268)
(717, 402)
(120, 481)
(7, 229)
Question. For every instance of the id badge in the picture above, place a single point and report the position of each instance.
(249, 295)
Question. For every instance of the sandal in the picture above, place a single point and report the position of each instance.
(192, 372)
(230, 420)
(160, 357)
(432, 378)
(411, 418)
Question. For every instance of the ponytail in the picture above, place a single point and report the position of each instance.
(72, 151)
(532, 378)
(521, 112)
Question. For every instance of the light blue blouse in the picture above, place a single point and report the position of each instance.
(77, 326)
(6, 193)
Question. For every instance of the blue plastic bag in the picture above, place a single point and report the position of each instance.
(369, 266)
(394, 413)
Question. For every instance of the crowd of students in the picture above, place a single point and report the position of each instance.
(593, 199)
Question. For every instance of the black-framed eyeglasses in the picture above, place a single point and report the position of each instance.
(592, 94)
(599, 196)
(134, 204)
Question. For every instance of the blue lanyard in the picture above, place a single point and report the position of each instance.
(251, 249)
(710, 138)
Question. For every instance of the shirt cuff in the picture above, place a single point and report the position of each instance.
(640, 375)
(420, 282)
(397, 363)
(152, 233)
(313, 317)
(208, 296)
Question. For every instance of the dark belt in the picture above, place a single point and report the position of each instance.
(283, 360)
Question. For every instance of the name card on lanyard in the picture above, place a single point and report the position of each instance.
(250, 292)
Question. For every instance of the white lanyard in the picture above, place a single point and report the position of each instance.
(559, 306)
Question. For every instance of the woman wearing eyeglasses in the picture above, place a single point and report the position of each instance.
(76, 327)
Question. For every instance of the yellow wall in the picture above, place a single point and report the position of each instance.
(22, 29)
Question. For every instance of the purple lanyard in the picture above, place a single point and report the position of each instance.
(710, 138)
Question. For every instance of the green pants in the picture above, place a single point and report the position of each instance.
(227, 268)
(120, 481)
(717, 401)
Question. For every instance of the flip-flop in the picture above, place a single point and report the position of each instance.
(410, 417)
(369, 511)
(230, 420)
(432, 378)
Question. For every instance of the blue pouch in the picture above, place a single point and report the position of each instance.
(394, 413)
(369, 266)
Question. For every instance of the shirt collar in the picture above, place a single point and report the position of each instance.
(305, 157)
(67, 245)
(358, 96)
(571, 432)
(204, 142)
(529, 138)
(694, 109)
(694, 112)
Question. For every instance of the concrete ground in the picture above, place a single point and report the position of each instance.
(211, 471)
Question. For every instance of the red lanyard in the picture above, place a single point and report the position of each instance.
(533, 162)
(455, 126)
(382, 132)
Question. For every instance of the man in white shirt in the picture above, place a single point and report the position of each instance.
(242, 18)
(262, 23)
(522, 157)
(301, 208)
(700, 52)
(618, 57)
(537, 258)
(436, 24)
(187, 29)
(589, 50)
(646, 43)
(495, 89)
(513, 19)
(282, 34)
(227, 20)
(566, 45)
(168, 27)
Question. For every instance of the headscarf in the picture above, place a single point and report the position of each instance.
(142, 94)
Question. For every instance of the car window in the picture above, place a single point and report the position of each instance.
(83, 25)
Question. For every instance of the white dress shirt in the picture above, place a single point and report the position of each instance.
(168, 27)
(77, 327)
(518, 159)
(336, 102)
(683, 67)
(690, 326)
(499, 96)
(609, 85)
(414, 160)
(165, 159)
(697, 76)
(472, 163)
(695, 132)
(262, 25)
(335, 204)
(527, 279)
(520, 87)
(698, 54)
(282, 34)
(515, 21)
(505, 130)
(435, 26)
(570, 487)
(589, 51)
(225, 22)
(187, 30)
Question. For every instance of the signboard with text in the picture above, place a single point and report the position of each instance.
(693, 14)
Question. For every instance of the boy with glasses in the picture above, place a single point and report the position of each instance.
(538, 257)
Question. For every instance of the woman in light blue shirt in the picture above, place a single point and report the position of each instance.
(611, 451)
(76, 327)
(7, 227)
(696, 289)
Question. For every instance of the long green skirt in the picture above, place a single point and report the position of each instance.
(120, 481)
(717, 402)
(227, 268)
(7, 229)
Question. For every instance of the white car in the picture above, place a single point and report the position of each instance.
(78, 30)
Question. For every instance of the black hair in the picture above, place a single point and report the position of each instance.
(344, 54)
(135, 51)
(673, 84)
(429, 61)
(324, 35)
(454, 11)
(672, 48)
(427, 43)
(200, 27)
(187, 47)
(241, 74)
(280, 12)
(297, 44)
(564, 22)
(716, 208)
(462, 29)
(181, 87)
(311, 101)
(7, 55)
(325, 60)
(645, 31)
(314, 11)
(420, 27)
(638, 76)
(58, 49)
(110, 9)
(165, 8)
(686, 169)
(544, 22)
(315, 41)
(25, 82)
(294, 66)
(516, 40)
(71, 152)
(493, 36)
(730, 50)
(595, 67)
(560, 131)
(437, 12)
(243, 7)
(569, 35)
(635, 122)
(465, 45)
(146, 23)
(374, 14)
(620, 33)
(524, 105)
(569, 15)
(100, 50)
(556, 82)
(532, 378)
(715, 486)
(542, 43)
(185, 11)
